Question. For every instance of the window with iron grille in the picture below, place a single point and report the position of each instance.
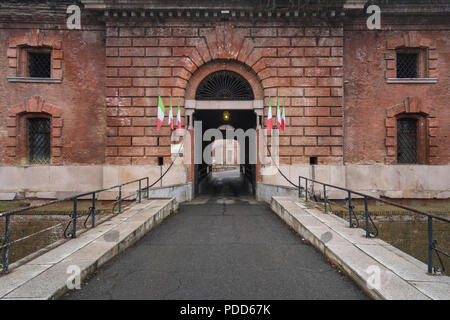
(407, 65)
(224, 85)
(38, 132)
(407, 140)
(39, 63)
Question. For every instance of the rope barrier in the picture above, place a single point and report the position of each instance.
(278, 168)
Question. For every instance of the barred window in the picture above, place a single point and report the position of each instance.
(39, 63)
(35, 62)
(38, 133)
(407, 65)
(412, 62)
(406, 140)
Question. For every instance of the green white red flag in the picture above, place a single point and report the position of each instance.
(283, 119)
(269, 116)
(170, 115)
(161, 112)
(278, 115)
(179, 116)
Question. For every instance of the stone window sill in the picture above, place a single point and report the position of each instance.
(412, 80)
(34, 80)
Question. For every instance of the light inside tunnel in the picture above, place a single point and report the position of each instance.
(226, 116)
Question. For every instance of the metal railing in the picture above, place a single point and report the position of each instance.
(70, 231)
(309, 193)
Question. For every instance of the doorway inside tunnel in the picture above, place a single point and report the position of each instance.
(227, 165)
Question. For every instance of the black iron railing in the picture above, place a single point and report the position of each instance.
(70, 231)
(370, 227)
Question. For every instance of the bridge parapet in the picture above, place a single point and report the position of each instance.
(381, 270)
(52, 274)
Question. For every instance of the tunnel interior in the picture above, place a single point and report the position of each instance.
(232, 174)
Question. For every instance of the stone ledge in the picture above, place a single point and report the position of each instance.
(34, 80)
(45, 277)
(402, 276)
(412, 80)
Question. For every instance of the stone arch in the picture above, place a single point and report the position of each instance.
(231, 65)
(35, 106)
(411, 107)
(219, 65)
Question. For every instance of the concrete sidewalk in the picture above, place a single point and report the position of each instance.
(401, 276)
(45, 277)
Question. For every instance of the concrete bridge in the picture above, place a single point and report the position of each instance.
(224, 245)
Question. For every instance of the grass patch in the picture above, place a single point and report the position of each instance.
(62, 208)
(384, 210)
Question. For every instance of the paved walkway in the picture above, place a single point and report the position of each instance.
(220, 247)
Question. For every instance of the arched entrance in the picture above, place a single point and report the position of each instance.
(224, 101)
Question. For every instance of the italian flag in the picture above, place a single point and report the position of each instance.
(278, 115)
(179, 116)
(161, 112)
(283, 119)
(269, 116)
(170, 115)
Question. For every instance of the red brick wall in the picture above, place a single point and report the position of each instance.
(372, 104)
(302, 65)
(107, 101)
(78, 129)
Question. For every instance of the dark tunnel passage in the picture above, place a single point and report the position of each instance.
(231, 168)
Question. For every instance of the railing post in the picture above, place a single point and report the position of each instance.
(74, 218)
(148, 187)
(6, 243)
(93, 210)
(350, 208)
(139, 193)
(430, 245)
(120, 199)
(325, 198)
(306, 189)
(299, 186)
(366, 212)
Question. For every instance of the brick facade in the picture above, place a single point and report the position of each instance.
(302, 65)
(75, 89)
(374, 98)
(335, 77)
